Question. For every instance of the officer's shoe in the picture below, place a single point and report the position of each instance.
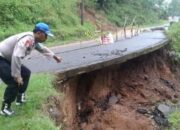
(20, 99)
(6, 110)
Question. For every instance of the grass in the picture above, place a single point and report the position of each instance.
(30, 116)
(62, 16)
(174, 119)
(174, 35)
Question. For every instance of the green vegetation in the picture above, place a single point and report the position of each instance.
(30, 116)
(175, 120)
(174, 35)
(174, 8)
(143, 11)
(62, 16)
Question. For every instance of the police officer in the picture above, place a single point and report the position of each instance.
(15, 75)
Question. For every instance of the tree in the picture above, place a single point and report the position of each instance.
(146, 11)
(174, 8)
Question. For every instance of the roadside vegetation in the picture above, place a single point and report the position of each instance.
(142, 11)
(30, 116)
(175, 120)
(64, 16)
(174, 36)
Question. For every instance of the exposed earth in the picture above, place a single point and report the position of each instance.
(119, 97)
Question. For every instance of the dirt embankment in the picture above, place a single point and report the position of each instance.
(108, 99)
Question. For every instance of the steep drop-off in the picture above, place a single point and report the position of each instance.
(108, 99)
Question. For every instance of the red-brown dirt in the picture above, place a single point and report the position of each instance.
(98, 20)
(107, 99)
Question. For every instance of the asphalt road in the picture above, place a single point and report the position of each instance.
(76, 61)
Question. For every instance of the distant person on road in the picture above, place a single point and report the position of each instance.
(15, 75)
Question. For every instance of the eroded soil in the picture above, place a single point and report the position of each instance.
(108, 99)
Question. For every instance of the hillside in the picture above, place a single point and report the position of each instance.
(64, 16)
(117, 11)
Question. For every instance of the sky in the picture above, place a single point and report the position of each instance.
(168, 1)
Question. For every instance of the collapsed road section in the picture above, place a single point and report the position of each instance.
(84, 60)
(114, 86)
(119, 97)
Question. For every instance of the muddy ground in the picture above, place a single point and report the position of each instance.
(109, 99)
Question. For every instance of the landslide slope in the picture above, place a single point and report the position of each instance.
(108, 99)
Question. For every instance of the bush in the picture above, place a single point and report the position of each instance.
(174, 35)
(175, 120)
(117, 10)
